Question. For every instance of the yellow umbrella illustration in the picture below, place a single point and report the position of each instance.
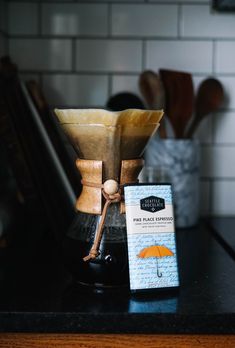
(157, 251)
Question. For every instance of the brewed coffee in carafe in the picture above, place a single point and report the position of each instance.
(109, 146)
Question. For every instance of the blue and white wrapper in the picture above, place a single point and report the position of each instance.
(151, 237)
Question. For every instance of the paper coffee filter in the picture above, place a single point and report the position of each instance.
(108, 118)
(107, 136)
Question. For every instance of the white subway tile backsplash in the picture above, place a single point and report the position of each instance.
(199, 21)
(191, 56)
(41, 54)
(224, 128)
(228, 83)
(75, 19)
(108, 55)
(23, 18)
(197, 80)
(223, 198)
(225, 57)
(144, 20)
(218, 162)
(76, 90)
(109, 42)
(124, 83)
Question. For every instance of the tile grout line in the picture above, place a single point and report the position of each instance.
(73, 56)
(39, 13)
(110, 80)
(109, 20)
(131, 73)
(90, 1)
(144, 54)
(180, 23)
(109, 36)
(123, 37)
(211, 186)
(214, 53)
(7, 44)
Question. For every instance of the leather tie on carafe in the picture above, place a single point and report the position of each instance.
(111, 190)
(110, 198)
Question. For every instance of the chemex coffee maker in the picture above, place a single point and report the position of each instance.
(109, 146)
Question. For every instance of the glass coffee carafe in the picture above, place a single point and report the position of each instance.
(109, 146)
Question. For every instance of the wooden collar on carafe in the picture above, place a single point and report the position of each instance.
(112, 194)
(93, 191)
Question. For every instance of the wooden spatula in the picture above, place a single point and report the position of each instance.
(152, 90)
(209, 97)
(179, 98)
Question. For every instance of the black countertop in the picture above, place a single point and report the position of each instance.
(37, 294)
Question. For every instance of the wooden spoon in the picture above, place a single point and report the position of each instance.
(151, 88)
(209, 97)
(178, 86)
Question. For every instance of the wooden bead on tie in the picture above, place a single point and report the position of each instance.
(110, 187)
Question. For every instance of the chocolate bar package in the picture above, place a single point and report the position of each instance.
(151, 237)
